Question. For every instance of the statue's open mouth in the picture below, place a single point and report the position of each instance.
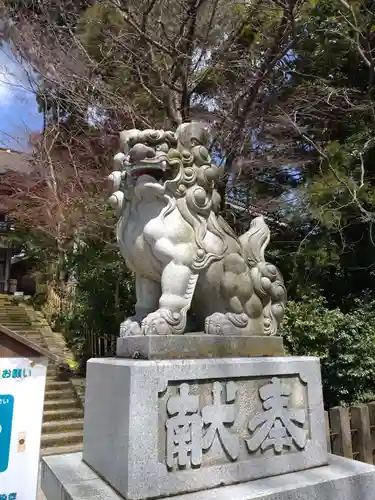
(155, 169)
(157, 173)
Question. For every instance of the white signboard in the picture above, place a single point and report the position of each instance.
(22, 383)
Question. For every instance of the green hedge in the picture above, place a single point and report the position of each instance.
(344, 342)
(103, 297)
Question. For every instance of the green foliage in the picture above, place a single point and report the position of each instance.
(97, 22)
(345, 344)
(208, 81)
(103, 296)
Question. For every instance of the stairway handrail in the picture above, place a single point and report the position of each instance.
(28, 343)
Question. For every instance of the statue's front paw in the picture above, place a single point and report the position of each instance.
(129, 328)
(226, 324)
(214, 324)
(160, 322)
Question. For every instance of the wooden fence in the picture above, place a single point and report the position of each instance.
(54, 303)
(351, 432)
(100, 346)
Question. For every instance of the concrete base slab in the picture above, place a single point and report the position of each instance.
(66, 477)
(192, 346)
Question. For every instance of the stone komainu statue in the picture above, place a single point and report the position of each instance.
(187, 260)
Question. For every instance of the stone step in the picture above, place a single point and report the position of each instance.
(36, 340)
(52, 374)
(11, 308)
(16, 319)
(62, 414)
(51, 378)
(53, 384)
(15, 326)
(20, 321)
(25, 333)
(59, 404)
(29, 333)
(62, 438)
(62, 450)
(56, 394)
(17, 311)
(30, 336)
(27, 329)
(59, 426)
(6, 312)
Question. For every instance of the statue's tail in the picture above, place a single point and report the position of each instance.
(255, 241)
(267, 280)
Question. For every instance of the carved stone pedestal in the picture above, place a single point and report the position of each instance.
(205, 429)
(158, 428)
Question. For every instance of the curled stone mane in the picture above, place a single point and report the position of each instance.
(193, 188)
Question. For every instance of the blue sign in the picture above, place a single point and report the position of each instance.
(6, 418)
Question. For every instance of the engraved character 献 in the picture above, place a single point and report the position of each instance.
(184, 429)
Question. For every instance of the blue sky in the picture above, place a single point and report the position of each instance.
(19, 114)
